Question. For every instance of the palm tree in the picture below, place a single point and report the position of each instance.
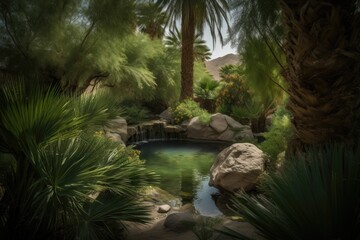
(320, 46)
(323, 69)
(201, 50)
(58, 180)
(151, 19)
(194, 14)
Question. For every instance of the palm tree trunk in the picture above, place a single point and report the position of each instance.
(323, 69)
(187, 56)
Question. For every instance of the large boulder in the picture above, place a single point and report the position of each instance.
(114, 137)
(221, 128)
(237, 167)
(117, 126)
(180, 222)
(167, 116)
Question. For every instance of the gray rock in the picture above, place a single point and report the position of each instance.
(232, 123)
(173, 129)
(185, 123)
(164, 208)
(237, 167)
(118, 126)
(131, 130)
(167, 115)
(218, 122)
(187, 208)
(221, 127)
(114, 137)
(180, 222)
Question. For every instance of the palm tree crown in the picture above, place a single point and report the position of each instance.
(201, 50)
(194, 14)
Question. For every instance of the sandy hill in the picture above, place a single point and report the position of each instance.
(214, 65)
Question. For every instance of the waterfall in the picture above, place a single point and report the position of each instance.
(156, 130)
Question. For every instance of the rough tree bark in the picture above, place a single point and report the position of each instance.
(323, 69)
(187, 56)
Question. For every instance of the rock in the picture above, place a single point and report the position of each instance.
(187, 208)
(218, 123)
(185, 123)
(221, 128)
(131, 131)
(160, 196)
(114, 137)
(237, 167)
(164, 208)
(180, 222)
(118, 126)
(173, 129)
(232, 123)
(228, 135)
(167, 116)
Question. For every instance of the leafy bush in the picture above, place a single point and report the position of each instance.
(58, 179)
(234, 92)
(135, 114)
(207, 88)
(316, 196)
(189, 109)
(250, 109)
(276, 138)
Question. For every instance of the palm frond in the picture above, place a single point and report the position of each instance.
(317, 195)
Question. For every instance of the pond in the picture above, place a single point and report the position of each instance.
(184, 169)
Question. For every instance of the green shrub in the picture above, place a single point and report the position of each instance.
(276, 138)
(234, 92)
(250, 109)
(189, 109)
(315, 196)
(55, 166)
(135, 114)
(207, 88)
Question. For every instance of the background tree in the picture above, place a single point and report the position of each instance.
(201, 50)
(151, 19)
(194, 14)
(69, 43)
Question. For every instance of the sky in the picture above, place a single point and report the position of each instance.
(218, 50)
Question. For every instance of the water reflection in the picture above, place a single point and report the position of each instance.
(184, 171)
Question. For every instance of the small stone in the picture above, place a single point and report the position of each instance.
(164, 208)
(188, 208)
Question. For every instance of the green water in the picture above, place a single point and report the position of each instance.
(183, 168)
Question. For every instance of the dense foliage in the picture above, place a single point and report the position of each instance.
(233, 93)
(207, 88)
(105, 48)
(135, 114)
(36, 39)
(277, 136)
(188, 109)
(315, 196)
(58, 179)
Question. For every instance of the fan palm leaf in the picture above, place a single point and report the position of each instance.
(316, 196)
(57, 166)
